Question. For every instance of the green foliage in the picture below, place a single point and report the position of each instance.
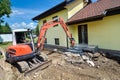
(5, 29)
(1, 56)
(34, 31)
(37, 30)
(8, 28)
(5, 9)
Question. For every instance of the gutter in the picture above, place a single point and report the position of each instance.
(112, 9)
(89, 19)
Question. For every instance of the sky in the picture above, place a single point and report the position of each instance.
(24, 10)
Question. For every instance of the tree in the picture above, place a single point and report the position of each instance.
(8, 28)
(5, 29)
(5, 9)
(37, 30)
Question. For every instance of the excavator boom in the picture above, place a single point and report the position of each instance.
(25, 55)
(46, 26)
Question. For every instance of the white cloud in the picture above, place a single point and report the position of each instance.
(26, 12)
(17, 12)
(21, 25)
(22, 18)
(31, 25)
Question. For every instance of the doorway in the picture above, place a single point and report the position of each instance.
(83, 34)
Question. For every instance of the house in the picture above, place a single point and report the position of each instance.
(98, 24)
(65, 10)
(90, 23)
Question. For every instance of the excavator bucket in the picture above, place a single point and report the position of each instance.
(38, 67)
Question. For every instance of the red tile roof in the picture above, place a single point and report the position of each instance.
(94, 9)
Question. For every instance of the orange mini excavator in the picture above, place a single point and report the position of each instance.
(23, 51)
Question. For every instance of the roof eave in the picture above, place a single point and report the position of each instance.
(45, 15)
(55, 9)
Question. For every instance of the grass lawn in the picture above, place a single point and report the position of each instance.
(5, 45)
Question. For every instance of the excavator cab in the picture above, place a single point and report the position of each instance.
(23, 46)
(22, 36)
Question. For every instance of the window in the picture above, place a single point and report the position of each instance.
(57, 41)
(56, 19)
(44, 21)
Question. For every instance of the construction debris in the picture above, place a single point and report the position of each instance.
(96, 55)
(80, 48)
(73, 61)
(79, 59)
(90, 63)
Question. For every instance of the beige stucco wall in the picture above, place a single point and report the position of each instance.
(56, 32)
(74, 7)
(74, 30)
(104, 33)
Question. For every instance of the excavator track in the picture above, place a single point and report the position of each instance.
(38, 67)
(32, 65)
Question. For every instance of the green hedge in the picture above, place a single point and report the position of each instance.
(5, 30)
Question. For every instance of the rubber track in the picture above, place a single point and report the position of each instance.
(39, 67)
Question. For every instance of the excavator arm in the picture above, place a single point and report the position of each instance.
(46, 26)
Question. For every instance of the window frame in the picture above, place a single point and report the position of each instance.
(57, 41)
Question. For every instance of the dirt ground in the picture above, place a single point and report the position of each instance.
(104, 69)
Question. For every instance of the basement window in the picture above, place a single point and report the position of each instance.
(57, 41)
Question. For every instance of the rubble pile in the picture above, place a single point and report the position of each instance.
(86, 57)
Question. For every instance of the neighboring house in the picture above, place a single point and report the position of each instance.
(95, 23)
(98, 24)
(65, 10)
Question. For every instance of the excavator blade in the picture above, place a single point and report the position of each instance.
(38, 67)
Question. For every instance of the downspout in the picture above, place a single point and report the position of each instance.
(67, 41)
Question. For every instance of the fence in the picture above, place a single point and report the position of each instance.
(5, 37)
